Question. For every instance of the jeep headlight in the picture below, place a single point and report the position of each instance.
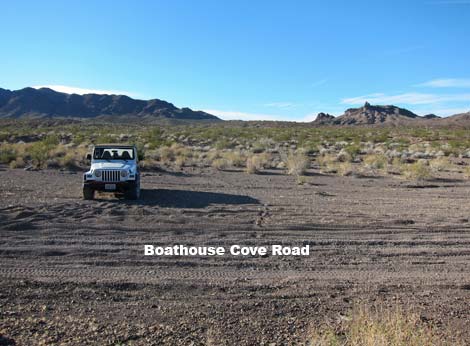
(97, 173)
(124, 174)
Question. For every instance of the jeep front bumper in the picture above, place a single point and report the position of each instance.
(118, 186)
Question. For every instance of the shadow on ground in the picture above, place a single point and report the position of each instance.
(190, 199)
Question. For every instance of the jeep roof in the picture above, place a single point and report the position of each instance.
(114, 145)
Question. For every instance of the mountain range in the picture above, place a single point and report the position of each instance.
(45, 102)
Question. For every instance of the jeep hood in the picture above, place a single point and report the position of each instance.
(113, 165)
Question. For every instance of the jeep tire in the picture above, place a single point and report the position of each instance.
(88, 193)
(134, 192)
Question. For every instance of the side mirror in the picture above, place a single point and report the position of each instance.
(88, 157)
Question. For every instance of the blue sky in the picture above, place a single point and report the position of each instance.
(284, 60)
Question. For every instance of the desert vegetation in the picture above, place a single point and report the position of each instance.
(406, 153)
(378, 325)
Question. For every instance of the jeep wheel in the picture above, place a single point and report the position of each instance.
(134, 193)
(88, 193)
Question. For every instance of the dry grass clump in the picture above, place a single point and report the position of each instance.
(376, 162)
(416, 171)
(17, 163)
(297, 164)
(343, 156)
(44, 154)
(148, 164)
(466, 172)
(235, 158)
(256, 162)
(175, 154)
(381, 327)
(327, 163)
(180, 161)
(221, 164)
(344, 169)
(440, 164)
(7, 153)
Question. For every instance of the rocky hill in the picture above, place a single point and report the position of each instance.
(324, 119)
(462, 119)
(46, 102)
(370, 115)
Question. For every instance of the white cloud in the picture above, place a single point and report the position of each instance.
(447, 83)
(235, 115)
(406, 98)
(281, 105)
(82, 91)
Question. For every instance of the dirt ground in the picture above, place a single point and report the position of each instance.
(73, 272)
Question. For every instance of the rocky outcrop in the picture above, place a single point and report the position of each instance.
(324, 119)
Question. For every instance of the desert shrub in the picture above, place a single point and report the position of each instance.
(57, 151)
(396, 166)
(105, 138)
(466, 172)
(380, 326)
(375, 162)
(51, 141)
(221, 164)
(397, 162)
(235, 158)
(7, 153)
(297, 164)
(266, 160)
(262, 145)
(153, 137)
(38, 152)
(17, 163)
(180, 161)
(148, 164)
(344, 168)
(301, 180)
(141, 151)
(440, 164)
(213, 155)
(416, 171)
(256, 163)
(223, 143)
(169, 154)
(251, 165)
(353, 150)
(165, 154)
(69, 161)
(327, 163)
(343, 156)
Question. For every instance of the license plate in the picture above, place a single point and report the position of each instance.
(110, 186)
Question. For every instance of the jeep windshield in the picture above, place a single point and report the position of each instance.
(113, 154)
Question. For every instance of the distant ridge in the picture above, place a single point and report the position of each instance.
(369, 114)
(461, 119)
(45, 102)
(390, 115)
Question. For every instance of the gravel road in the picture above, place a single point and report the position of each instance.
(74, 272)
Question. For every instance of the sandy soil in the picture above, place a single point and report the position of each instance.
(73, 271)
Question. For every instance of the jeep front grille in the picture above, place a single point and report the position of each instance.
(111, 175)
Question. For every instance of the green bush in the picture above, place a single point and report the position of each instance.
(7, 154)
(38, 153)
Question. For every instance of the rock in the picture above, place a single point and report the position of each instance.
(323, 119)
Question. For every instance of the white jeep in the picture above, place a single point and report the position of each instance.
(113, 169)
